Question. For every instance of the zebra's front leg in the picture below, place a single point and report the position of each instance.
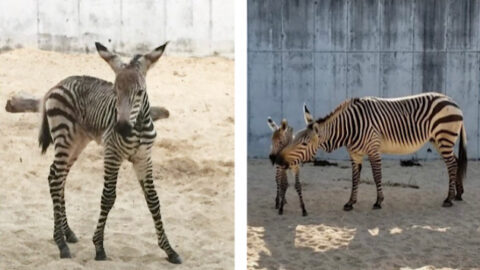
(298, 188)
(277, 181)
(283, 189)
(356, 170)
(112, 164)
(143, 170)
(376, 163)
(56, 183)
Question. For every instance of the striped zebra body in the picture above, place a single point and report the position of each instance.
(281, 137)
(371, 126)
(80, 109)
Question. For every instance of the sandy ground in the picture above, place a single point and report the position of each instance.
(193, 164)
(411, 231)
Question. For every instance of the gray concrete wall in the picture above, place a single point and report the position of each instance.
(323, 51)
(194, 27)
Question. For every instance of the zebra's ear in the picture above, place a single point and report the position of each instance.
(151, 58)
(273, 126)
(306, 114)
(284, 124)
(112, 59)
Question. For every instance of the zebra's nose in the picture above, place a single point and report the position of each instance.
(123, 128)
(272, 158)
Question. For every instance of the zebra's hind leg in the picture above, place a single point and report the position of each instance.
(298, 188)
(376, 163)
(69, 234)
(143, 170)
(112, 162)
(56, 183)
(451, 163)
(356, 170)
(458, 186)
(459, 190)
(69, 155)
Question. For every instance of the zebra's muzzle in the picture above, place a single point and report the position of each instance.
(272, 158)
(279, 160)
(124, 128)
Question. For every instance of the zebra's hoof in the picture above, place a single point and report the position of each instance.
(304, 213)
(65, 253)
(280, 211)
(458, 197)
(348, 207)
(71, 237)
(447, 203)
(277, 206)
(174, 258)
(377, 206)
(100, 255)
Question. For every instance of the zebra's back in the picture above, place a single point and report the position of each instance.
(405, 124)
(88, 103)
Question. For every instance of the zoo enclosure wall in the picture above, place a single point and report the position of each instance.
(322, 52)
(194, 28)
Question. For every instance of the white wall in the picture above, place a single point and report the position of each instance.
(193, 27)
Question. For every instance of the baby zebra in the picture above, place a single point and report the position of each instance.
(281, 137)
(371, 126)
(80, 109)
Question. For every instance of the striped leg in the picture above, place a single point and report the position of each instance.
(143, 170)
(376, 163)
(67, 149)
(283, 189)
(69, 234)
(356, 170)
(278, 175)
(112, 162)
(451, 163)
(298, 188)
(56, 181)
(79, 144)
(458, 188)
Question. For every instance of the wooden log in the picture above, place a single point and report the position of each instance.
(23, 102)
(158, 113)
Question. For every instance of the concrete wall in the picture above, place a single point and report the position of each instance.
(323, 51)
(194, 27)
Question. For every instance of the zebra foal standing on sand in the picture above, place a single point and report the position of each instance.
(371, 126)
(80, 109)
(281, 137)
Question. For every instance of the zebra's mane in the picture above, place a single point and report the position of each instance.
(340, 108)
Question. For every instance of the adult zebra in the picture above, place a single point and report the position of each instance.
(80, 109)
(281, 137)
(371, 126)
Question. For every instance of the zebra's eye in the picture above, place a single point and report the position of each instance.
(304, 143)
(139, 93)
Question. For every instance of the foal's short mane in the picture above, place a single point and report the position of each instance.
(134, 60)
(340, 108)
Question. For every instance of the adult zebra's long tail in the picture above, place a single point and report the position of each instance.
(371, 126)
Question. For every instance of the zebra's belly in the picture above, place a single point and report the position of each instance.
(388, 147)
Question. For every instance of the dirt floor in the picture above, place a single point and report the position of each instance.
(411, 231)
(193, 165)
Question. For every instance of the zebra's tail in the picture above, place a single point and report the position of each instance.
(462, 156)
(44, 138)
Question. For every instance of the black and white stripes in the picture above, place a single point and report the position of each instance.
(282, 136)
(80, 109)
(371, 126)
